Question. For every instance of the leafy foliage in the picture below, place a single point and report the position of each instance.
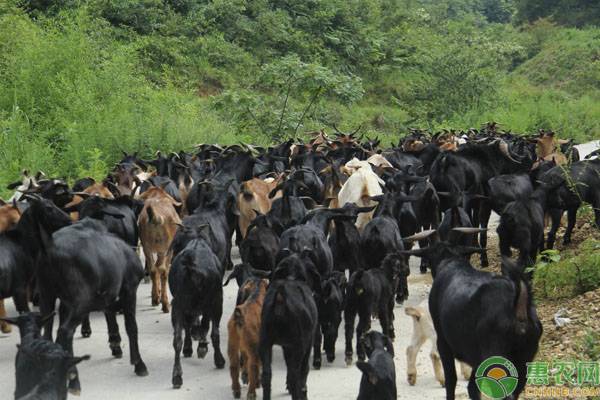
(569, 12)
(557, 277)
(80, 79)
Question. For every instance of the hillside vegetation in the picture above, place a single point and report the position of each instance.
(82, 79)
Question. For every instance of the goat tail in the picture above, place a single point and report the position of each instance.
(238, 317)
(153, 217)
(413, 312)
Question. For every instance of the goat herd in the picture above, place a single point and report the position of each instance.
(324, 228)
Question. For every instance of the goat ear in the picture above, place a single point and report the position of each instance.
(112, 214)
(13, 185)
(43, 320)
(368, 370)
(309, 203)
(237, 270)
(8, 320)
(283, 253)
(274, 191)
(72, 361)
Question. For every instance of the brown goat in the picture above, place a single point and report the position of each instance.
(158, 223)
(244, 331)
(254, 195)
(9, 216)
(548, 148)
(97, 189)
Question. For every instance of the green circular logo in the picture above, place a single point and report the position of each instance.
(497, 377)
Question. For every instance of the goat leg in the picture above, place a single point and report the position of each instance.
(129, 302)
(215, 338)
(349, 316)
(177, 379)
(114, 338)
(317, 348)
(5, 327)
(203, 343)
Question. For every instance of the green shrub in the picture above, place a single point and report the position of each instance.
(566, 276)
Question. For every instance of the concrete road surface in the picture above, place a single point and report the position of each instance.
(104, 377)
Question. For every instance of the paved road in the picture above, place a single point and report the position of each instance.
(104, 377)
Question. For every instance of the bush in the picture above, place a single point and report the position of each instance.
(566, 276)
(70, 100)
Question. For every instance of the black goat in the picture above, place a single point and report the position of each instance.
(289, 319)
(259, 247)
(522, 227)
(566, 189)
(330, 303)
(195, 282)
(379, 373)
(344, 241)
(371, 292)
(87, 269)
(381, 235)
(40, 360)
(497, 314)
(506, 188)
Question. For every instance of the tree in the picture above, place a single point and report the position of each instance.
(284, 94)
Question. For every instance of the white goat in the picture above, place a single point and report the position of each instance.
(359, 188)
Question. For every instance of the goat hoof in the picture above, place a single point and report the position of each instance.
(566, 241)
(116, 350)
(177, 382)
(237, 394)
(86, 333)
(317, 364)
(348, 360)
(412, 379)
(423, 270)
(187, 353)
(330, 358)
(165, 308)
(219, 361)
(74, 387)
(251, 396)
(195, 332)
(245, 378)
(155, 302)
(5, 328)
(202, 350)
(140, 369)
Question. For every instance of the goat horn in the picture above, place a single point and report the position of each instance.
(504, 150)
(464, 229)
(419, 236)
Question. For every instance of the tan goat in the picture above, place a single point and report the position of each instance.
(254, 195)
(244, 331)
(97, 189)
(158, 224)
